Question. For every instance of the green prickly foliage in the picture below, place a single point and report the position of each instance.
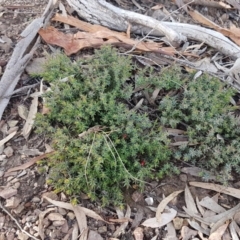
(118, 146)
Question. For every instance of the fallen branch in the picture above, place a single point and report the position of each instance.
(22, 53)
(103, 13)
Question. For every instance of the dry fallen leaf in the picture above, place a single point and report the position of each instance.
(165, 219)
(190, 201)
(171, 232)
(218, 233)
(210, 204)
(187, 233)
(164, 203)
(218, 188)
(29, 163)
(233, 32)
(138, 233)
(232, 228)
(195, 171)
(40, 222)
(30, 119)
(123, 226)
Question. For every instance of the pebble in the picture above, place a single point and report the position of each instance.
(102, 229)
(183, 177)
(16, 185)
(62, 211)
(71, 215)
(12, 202)
(178, 223)
(31, 218)
(58, 223)
(35, 228)
(8, 151)
(36, 199)
(65, 227)
(51, 195)
(10, 178)
(55, 217)
(149, 201)
(7, 193)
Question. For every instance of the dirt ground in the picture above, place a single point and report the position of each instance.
(20, 214)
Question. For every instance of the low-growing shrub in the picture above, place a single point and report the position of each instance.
(103, 144)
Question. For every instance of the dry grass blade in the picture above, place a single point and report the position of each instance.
(164, 203)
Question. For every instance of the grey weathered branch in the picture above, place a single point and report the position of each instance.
(103, 13)
(22, 53)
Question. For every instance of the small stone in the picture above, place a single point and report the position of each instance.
(65, 227)
(7, 193)
(36, 199)
(1, 172)
(2, 221)
(12, 123)
(2, 157)
(51, 195)
(10, 178)
(63, 197)
(178, 223)
(71, 215)
(183, 177)
(36, 229)
(12, 129)
(111, 227)
(16, 185)
(92, 235)
(12, 202)
(19, 209)
(22, 236)
(58, 223)
(62, 211)
(149, 201)
(137, 196)
(10, 236)
(102, 229)
(8, 151)
(55, 217)
(46, 222)
(31, 218)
